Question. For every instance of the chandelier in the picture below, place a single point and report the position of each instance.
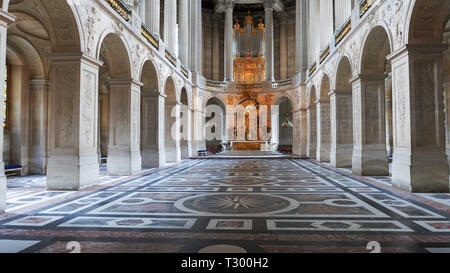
(287, 123)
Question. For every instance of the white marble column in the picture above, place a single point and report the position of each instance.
(124, 156)
(152, 140)
(170, 25)
(38, 126)
(5, 19)
(369, 133)
(275, 122)
(300, 120)
(312, 132)
(185, 121)
(196, 44)
(419, 160)
(268, 39)
(342, 12)
(326, 23)
(341, 128)
(323, 130)
(215, 48)
(228, 40)
(152, 20)
(283, 48)
(389, 128)
(183, 26)
(301, 40)
(172, 132)
(73, 161)
(143, 10)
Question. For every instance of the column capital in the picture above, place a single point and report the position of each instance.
(269, 4)
(228, 4)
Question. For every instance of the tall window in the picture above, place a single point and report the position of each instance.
(5, 97)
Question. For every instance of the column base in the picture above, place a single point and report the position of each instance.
(173, 154)
(323, 153)
(66, 172)
(184, 149)
(2, 193)
(421, 174)
(37, 162)
(341, 156)
(123, 162)
(152, 158)
(370, 162)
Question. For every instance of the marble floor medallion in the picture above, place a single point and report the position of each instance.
(236, 204)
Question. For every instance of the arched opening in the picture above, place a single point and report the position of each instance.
(185, 123)
(283, 128)
(323, 121)
(215, 124)
(150, 123)
(312, 124)
(171, 129)
(118, 95)
(370, 155)
(420, 163)
(341, 114)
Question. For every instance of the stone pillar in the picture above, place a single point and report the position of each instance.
(275, 122)
(183, 27)
(341, 128)
(215, 48)
(124, 124)
(152, 19)
(170, 25)
(38, 126)
(268, 39)
(143, 10)
(186, 119)
(228, 41)
(447, 125)
(388, 102)
(419, 160)
(323, 130)
(369, 134)
(73, 162)
(152, 131)
(5, 19)
(196, 45)
(172, 132)
(312, 132)
(301, 48)
(283, 48)
(300, 140)
(198, 121)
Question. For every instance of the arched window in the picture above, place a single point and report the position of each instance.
(5, 97)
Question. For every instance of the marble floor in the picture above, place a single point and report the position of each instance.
(259, 205)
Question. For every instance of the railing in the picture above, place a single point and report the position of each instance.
(325, 54)
(343, 31)
(171, 57)
(247, 86)
(216, 84)
(282, 83)
(184, 71)
(364, 6)
(121, 8)
(312, 69)
(149, 36)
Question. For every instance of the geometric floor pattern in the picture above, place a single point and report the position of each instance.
(252, 205)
